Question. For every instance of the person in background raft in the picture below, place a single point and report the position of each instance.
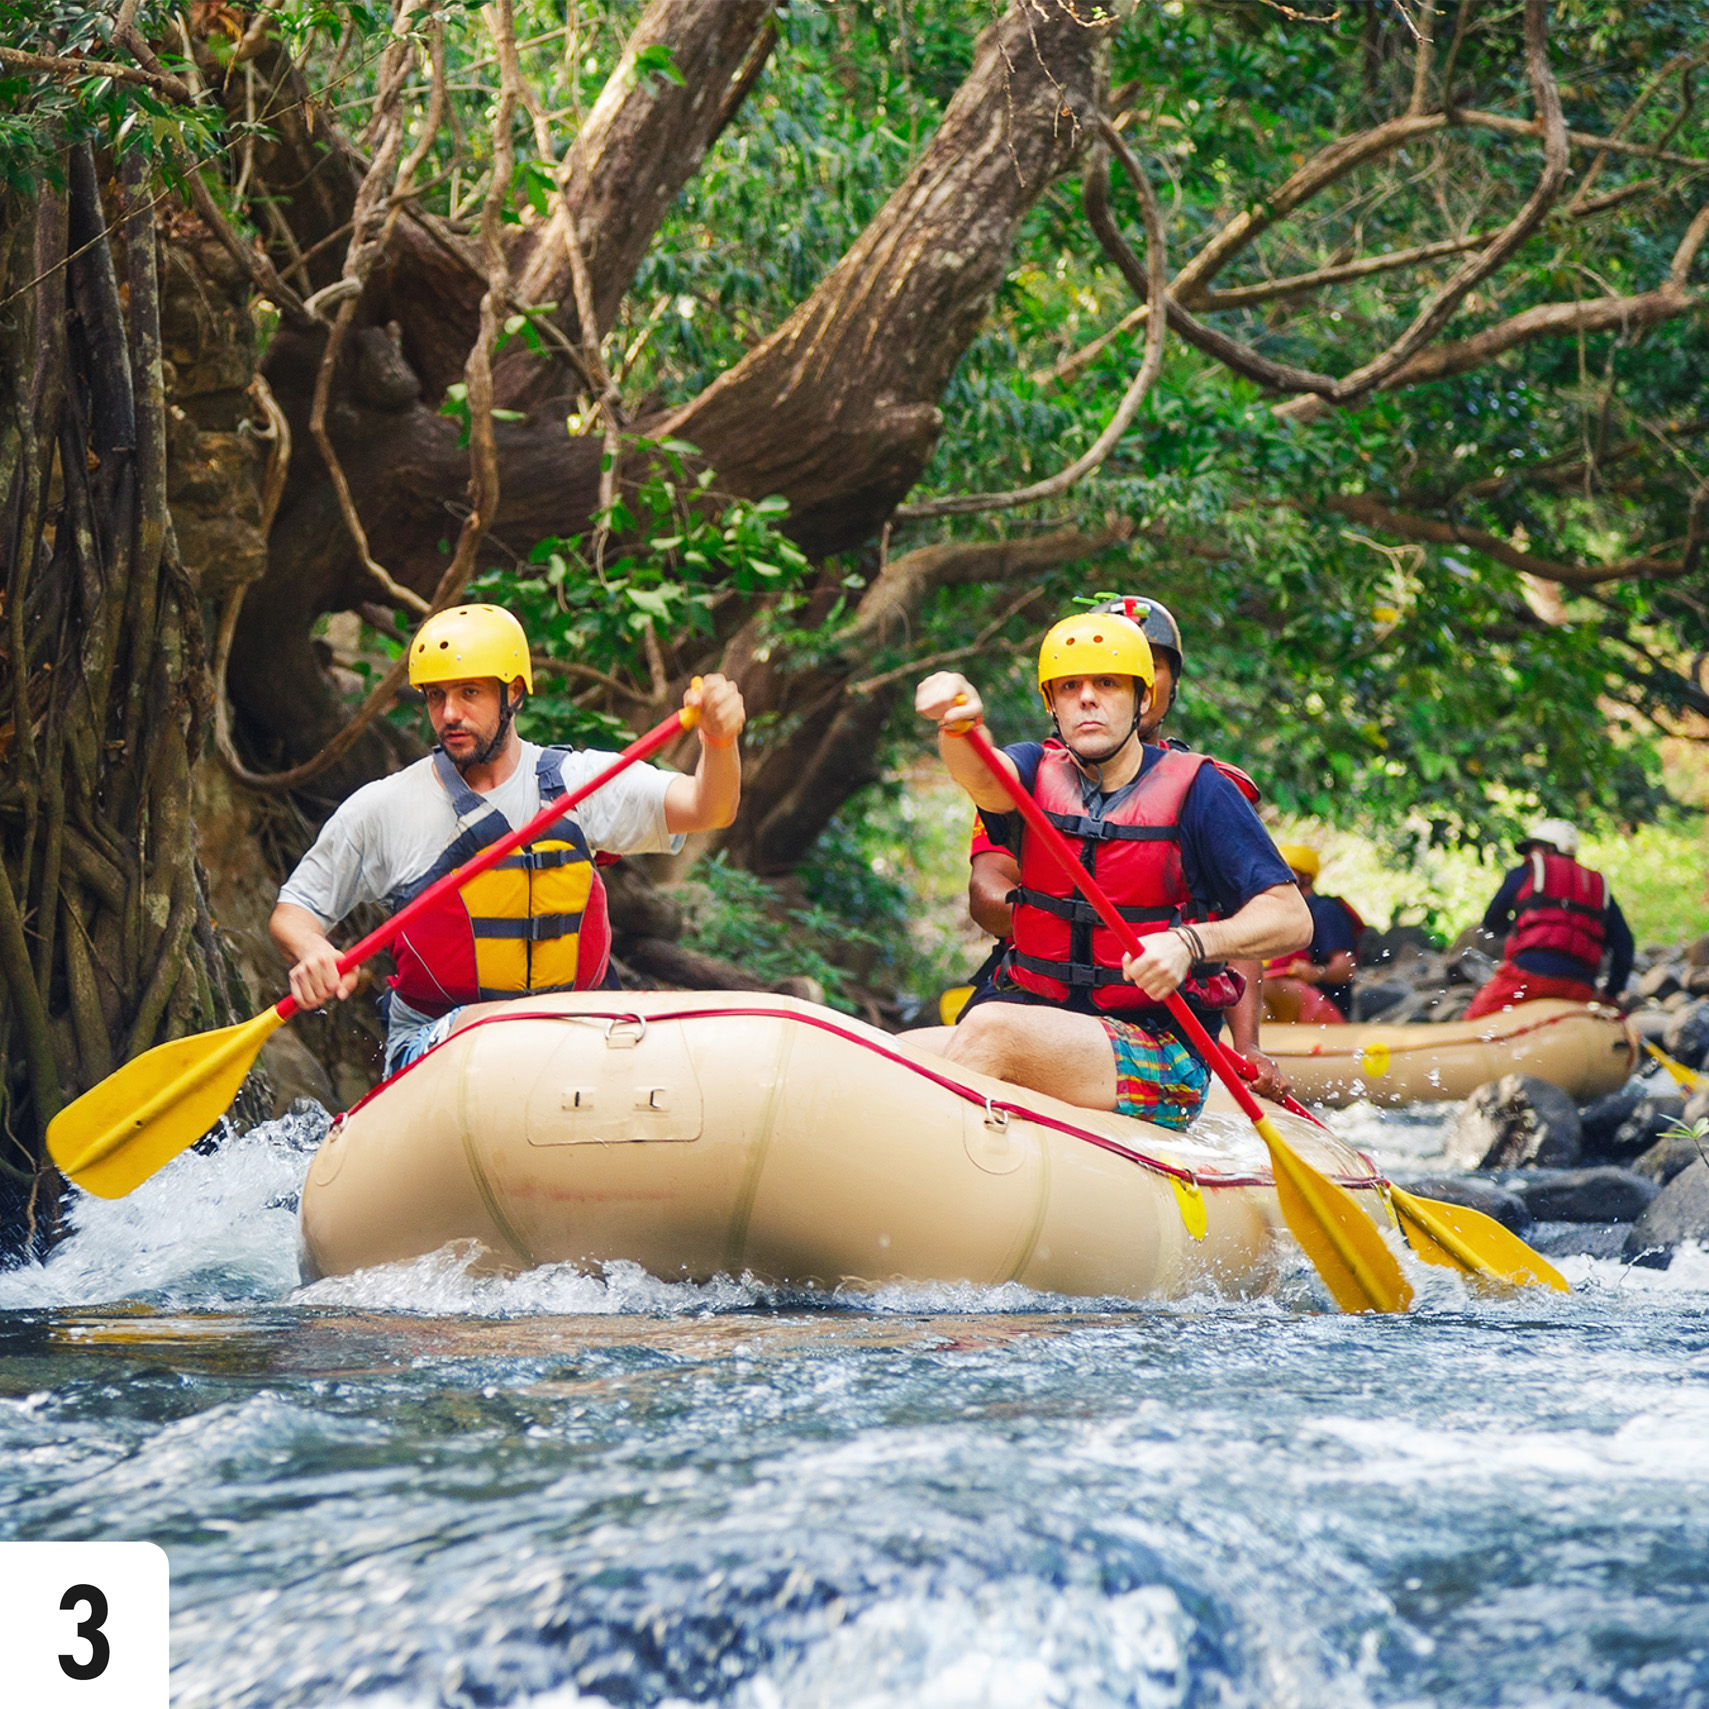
(994, 874)
(1315, 987)
(1562, 919)
(1160, 830)
(537, 921)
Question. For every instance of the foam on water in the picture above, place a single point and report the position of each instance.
(420, 1487)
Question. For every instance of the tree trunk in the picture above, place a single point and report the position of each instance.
(838, 409)
(106, 947)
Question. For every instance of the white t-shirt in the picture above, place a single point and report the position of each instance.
(392, 831)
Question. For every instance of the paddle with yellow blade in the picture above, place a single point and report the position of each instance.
(1689, 1079)
(1343, 1243)
(1454, 1236)
(136, 1121)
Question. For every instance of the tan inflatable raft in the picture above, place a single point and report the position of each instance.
(1584, 1049)
(704, 1133)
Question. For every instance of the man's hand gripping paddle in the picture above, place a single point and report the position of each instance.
(137, 1120)
(1342, 1243)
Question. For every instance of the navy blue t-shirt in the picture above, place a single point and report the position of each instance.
(1332, 931)
(1226, 854)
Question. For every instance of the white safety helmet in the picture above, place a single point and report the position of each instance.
(1557, 833)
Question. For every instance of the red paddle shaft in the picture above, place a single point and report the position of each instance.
(1057, 847)
(643, 747)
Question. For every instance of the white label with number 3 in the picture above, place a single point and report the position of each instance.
(85, 1624)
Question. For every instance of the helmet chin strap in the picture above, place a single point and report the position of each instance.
(485, 754)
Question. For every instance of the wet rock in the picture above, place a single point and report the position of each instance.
(1431, 1005)
(1679, 1212)
(1582, 1195)
(1669, 1156)
(1697, 981)
(1471, 967)
(1478, 1194)
(1698, 953)
(1579, 1239)
(1687, 1040)
(1659, 982)
(295, 1073)
(1397, 944)
(1372, 1001)
(1643, 1127)
(1601, 1120)
(1515, 1122)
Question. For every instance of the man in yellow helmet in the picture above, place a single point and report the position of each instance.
(1169, 838)
(994, 875)
(1315, 986)
(537, 921)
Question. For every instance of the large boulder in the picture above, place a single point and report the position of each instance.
(1516, 1122)
(1476, 1193)
(1687, 1039)
(1655, 1112)
(1601, 1120)
(1669, 1156)
(1397, 944)
(1582, 1195)
(1661, 981)
(1680, 1211)
(1579, 1239)
(1370, 1002)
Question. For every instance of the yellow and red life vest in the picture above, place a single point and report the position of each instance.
(1134, 852)
(1561, 908)
(536, 922)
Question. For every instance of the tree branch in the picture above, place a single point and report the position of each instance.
(1372, 513)
(1155, 276)
(162, 83)
(1440, 309)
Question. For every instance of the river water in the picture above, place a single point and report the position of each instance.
(412, 1488)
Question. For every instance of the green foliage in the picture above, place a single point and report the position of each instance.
(43, 113)
(656, 561)
(742, 918)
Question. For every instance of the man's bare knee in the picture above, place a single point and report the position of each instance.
(984, 1039)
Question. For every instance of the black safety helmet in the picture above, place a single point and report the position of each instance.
(1156, 621)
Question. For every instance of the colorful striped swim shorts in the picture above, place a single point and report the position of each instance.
(1158, 1079)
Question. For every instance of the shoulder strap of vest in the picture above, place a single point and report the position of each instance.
(549, 770)
(1240, 780)
(486, 830)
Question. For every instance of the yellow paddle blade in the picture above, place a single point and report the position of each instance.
(1341, 1241)
(952, 1002)
(136, 1121)
(1689, 1078)
(1459, 1238)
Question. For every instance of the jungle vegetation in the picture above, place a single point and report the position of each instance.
(823, 344)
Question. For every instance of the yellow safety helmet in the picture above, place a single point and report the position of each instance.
(470, 641)
(1300, 859)
(1093, 644)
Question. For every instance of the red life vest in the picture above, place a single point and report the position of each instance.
(1134, 852)
(536, 922)
(1559, 908)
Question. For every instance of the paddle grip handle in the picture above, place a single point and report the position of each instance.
(1056, 845)
(643, 747)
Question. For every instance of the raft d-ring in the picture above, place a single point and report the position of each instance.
(612, 1042)
(1191, 1199)
(995, 1119)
